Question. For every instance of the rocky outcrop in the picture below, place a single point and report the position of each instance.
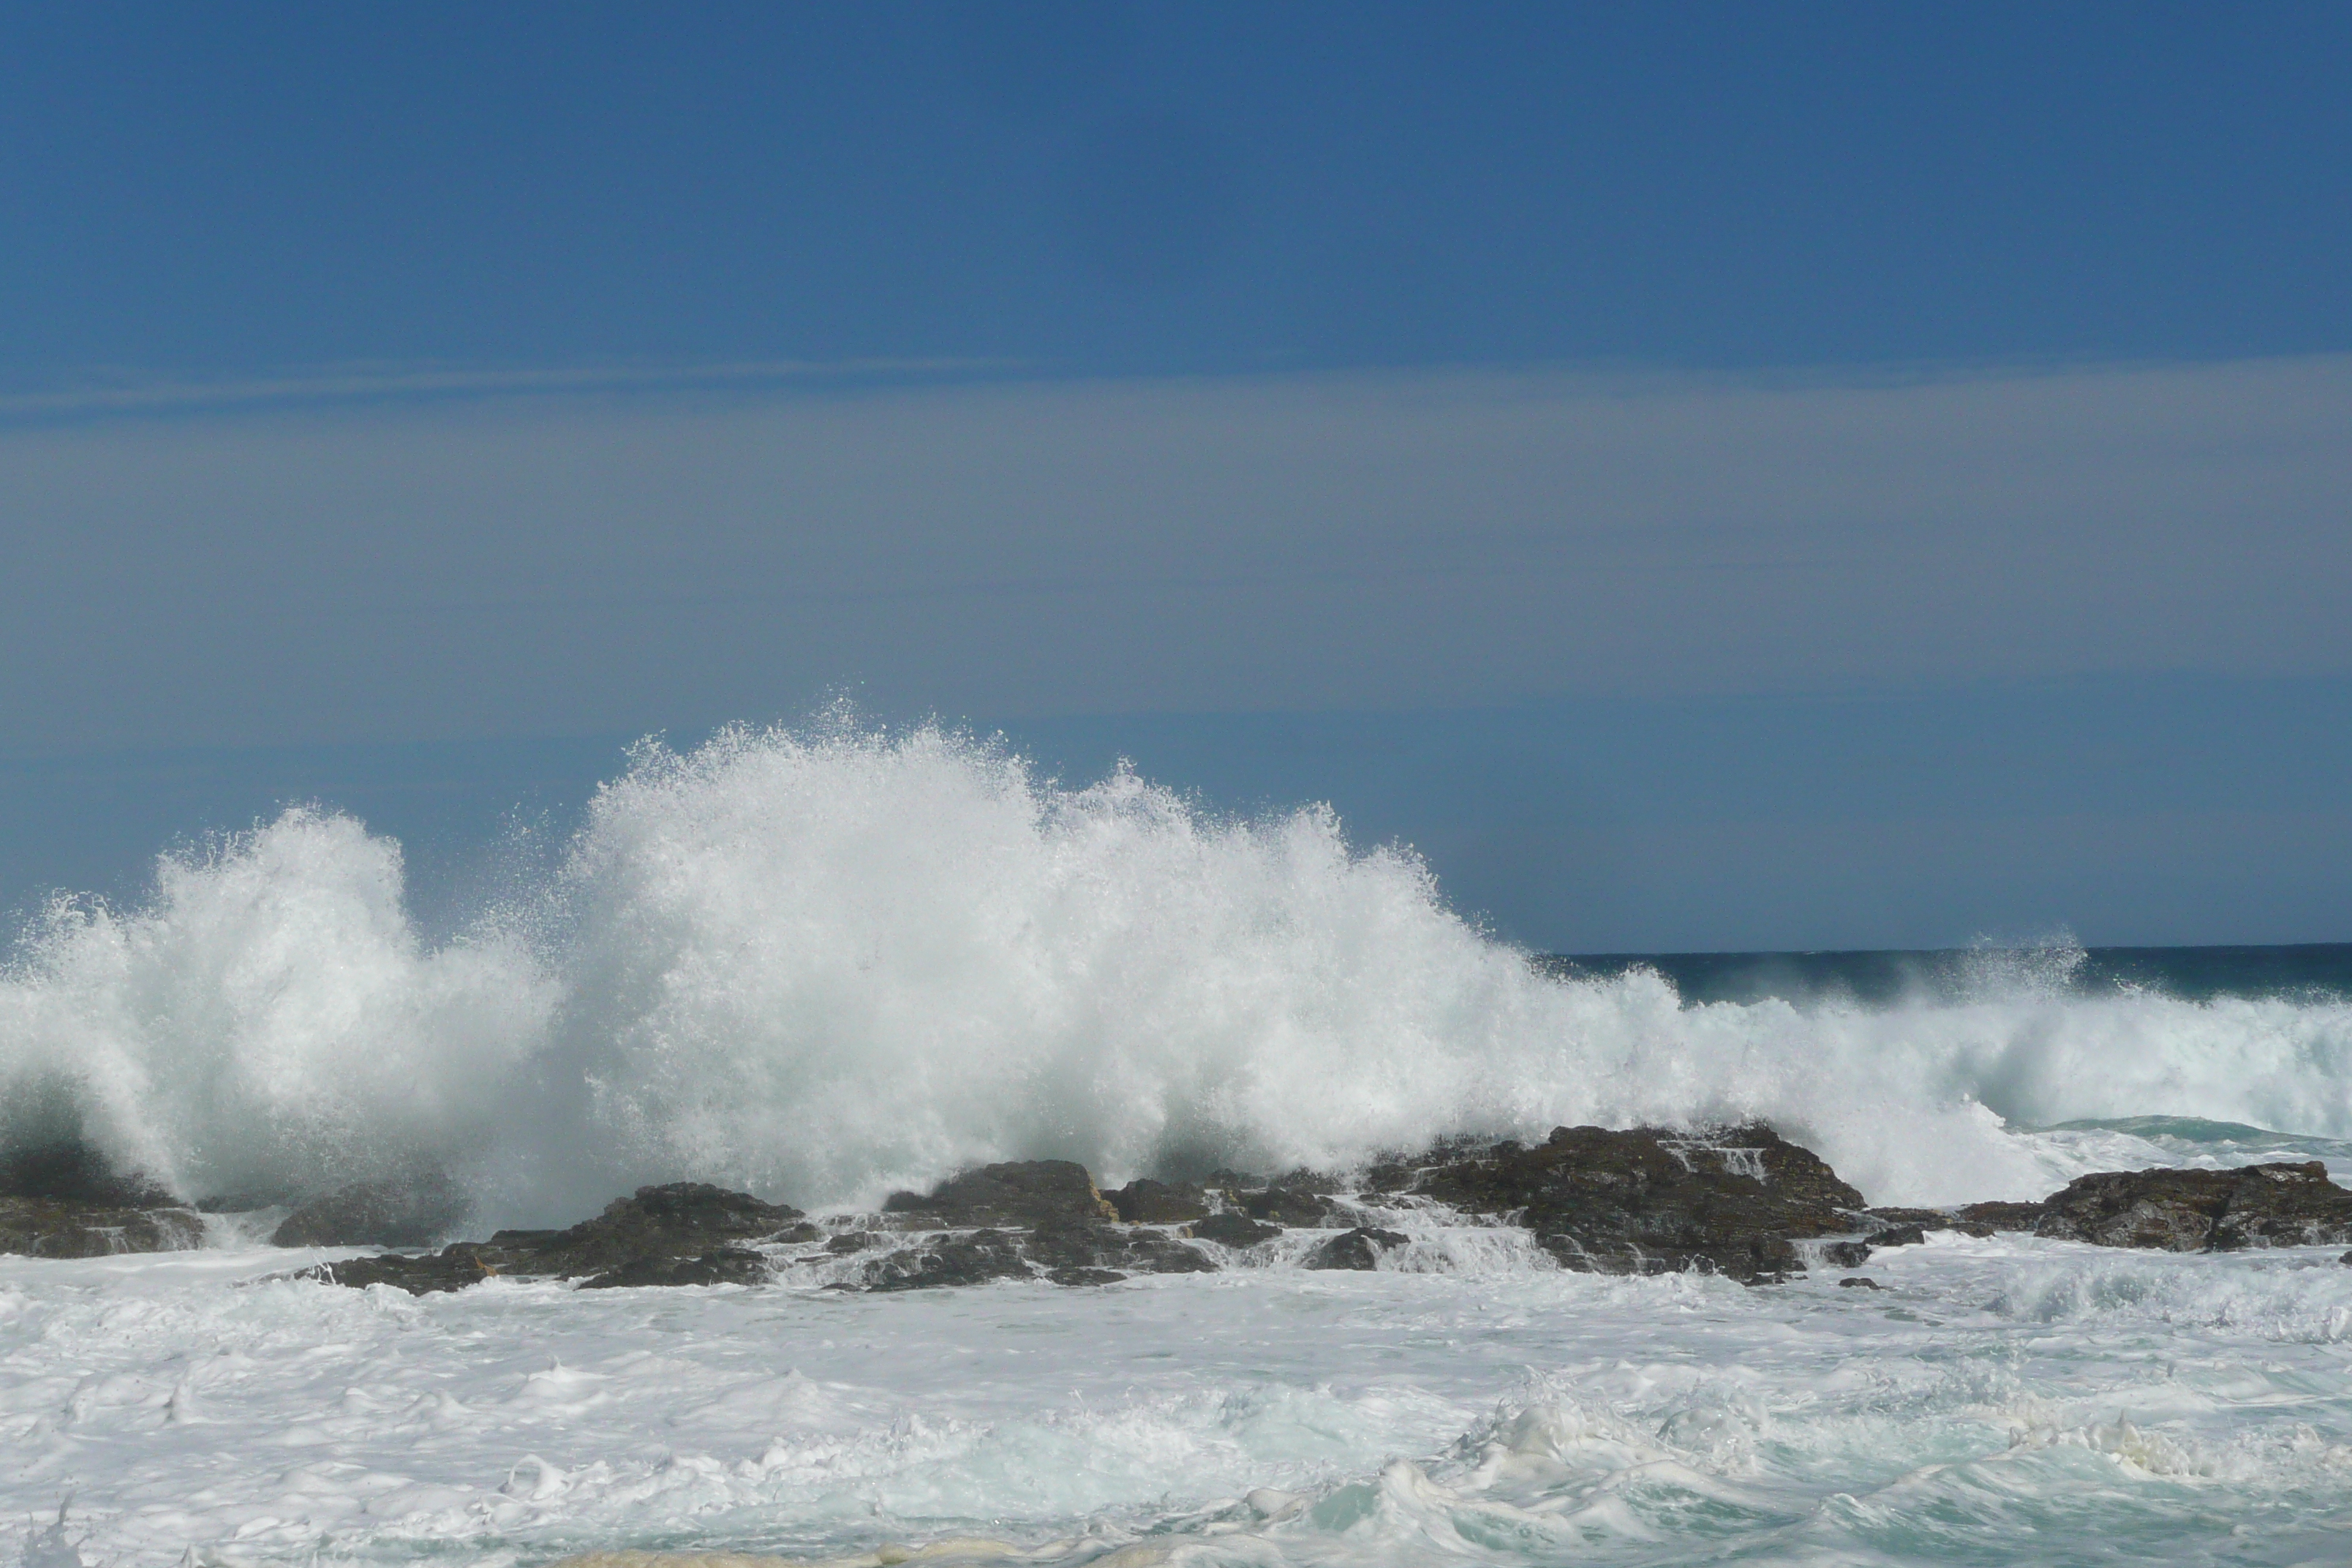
(1742, 1202)
(65, 1200)
(1147, 1202)
(1035, 1218)
(972, 1259)
(2286, 1204)
(1026, 1192)
(1236, 1230)
(415, 1210)
(45, 1228)
(685, 1233)
(1654, 1200)
(2201, 1211)
(1984, 1219)
(70, 1171)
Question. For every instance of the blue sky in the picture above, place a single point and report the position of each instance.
(1551, 433)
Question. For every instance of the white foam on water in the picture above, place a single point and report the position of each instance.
(824, 962)
(2133, 1406)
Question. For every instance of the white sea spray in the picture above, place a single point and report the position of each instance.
(823, 962)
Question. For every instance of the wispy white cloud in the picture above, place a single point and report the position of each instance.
(324, 565)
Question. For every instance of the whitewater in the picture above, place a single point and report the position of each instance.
(826, 963)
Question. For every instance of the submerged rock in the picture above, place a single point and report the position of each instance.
(1358, 1248)
(2201, 1211)
(683, 1233)
(1653, 1200)
(415, 1210)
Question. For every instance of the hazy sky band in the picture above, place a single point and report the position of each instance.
(1340, 542)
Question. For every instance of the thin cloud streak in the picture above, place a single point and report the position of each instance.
(361, 383)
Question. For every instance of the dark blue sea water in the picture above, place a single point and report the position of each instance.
(2304, 971)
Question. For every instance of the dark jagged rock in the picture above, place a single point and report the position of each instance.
(1910, 1227)
(1846, 1254)
(2201, 1211)
(1286, 1206)
(1653, 1200)
(948, 1260)
(1359, 1248)
(1066, 1245)
(851, 1241)
(395, 1210)
(1066, 1250)
(1859, 1282)
(1919, 1219)
(1988, 1217)
(1147, 1202)
(1086, 1276)
(63, 1199)
(1037, 1218)
(1026, 1192)
(684, 1233)
(47, 1227)
(676, 1219)
(1233, 1230)
(727, 1266)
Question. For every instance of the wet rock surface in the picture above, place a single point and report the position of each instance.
(2201, 1211)
(1147, 1202)
(1741, 1202)
(45, 1228)
(64, 1200)
(1358, 1248)
(972, 1259)
(1653, 1200)
(1236, 1230)
(1069, 1250)
(1984, 1219)
(415, 1210)
(1025, 1192)
(684, 1233)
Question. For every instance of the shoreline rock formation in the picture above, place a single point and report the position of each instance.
(62, 1200)
(2173, 1210)
(1742, 1202)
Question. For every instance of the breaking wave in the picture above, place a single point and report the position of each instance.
(823, 962)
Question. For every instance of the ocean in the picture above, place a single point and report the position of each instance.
(826, 963)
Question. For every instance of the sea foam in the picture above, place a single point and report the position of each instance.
(821, 963)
